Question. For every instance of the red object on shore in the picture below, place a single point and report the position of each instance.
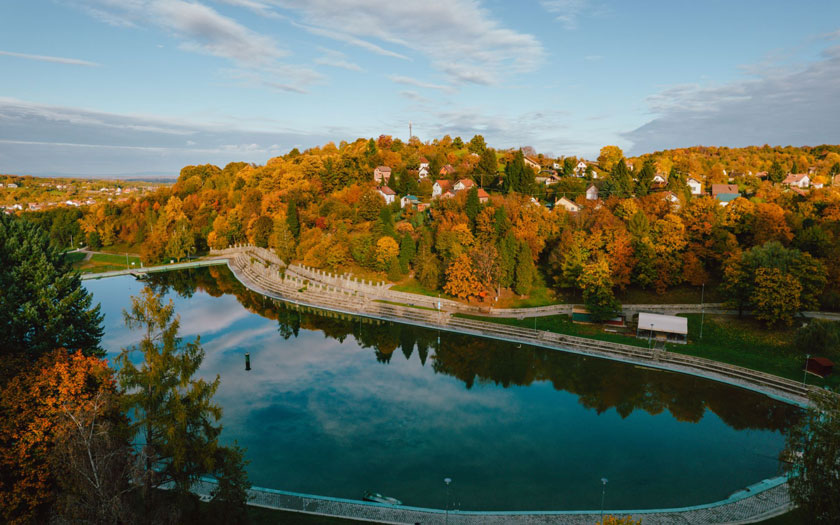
(820, 366)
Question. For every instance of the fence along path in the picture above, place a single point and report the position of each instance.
(266, 278)
(765, 499)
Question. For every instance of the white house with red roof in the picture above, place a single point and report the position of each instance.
(800, 180)
(463, 184)
(387, 193)
(423, 171)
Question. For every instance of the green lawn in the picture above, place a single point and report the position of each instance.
(414, 286)
(73, 257)
(561, 324)
(749, 343)
(739, 341)
(105, 262)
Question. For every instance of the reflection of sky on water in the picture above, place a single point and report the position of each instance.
(322, 416)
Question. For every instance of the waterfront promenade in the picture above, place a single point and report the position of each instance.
(261, 271)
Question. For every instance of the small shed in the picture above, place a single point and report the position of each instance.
(662, 327)
(819, 366)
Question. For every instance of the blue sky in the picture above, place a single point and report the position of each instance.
(116, 87)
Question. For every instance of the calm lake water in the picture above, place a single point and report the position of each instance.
(338, 406)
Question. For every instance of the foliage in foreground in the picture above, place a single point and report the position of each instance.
(43, 305)
(813, 449)
(173, 414)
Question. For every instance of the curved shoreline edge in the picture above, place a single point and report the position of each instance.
(759, 501)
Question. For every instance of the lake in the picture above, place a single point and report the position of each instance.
(336, 405)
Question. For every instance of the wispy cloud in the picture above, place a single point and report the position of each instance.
(44, 139)
(782, 106)
(569, 12)
(47, 58)
(415, 96)
(460, 37)
(349, 39)
(408, 81)
(202, 29)
(337, 59)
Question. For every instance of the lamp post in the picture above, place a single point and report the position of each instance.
(702, 309)
(446, 508)
(650, 335)
(805, 374)
(603, 494)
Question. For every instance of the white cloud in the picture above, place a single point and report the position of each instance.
(780, 106)
(408, 81)
(202, 29)
(460, 37)
(353, 41)
(41, 139)
(46, 58)
(415, 96)
(337, 59)
(568, 11)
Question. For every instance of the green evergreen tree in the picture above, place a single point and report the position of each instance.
(473, 205)
(487, 167)
(407, 252)
(43, 305)
(292, 219)
(514, 173)
(620, 182)
(394, 271)
(478, 146)
(776, 173)
(507, 258)
(813, 448)
(525, 270)
(173, 413)
(501, 223)
(645, 178)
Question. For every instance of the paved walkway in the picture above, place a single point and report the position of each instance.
(763, 500)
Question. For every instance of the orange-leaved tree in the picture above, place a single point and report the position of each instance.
(34, 413)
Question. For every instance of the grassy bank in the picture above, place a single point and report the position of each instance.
(749, 343)
(102, 262)
(561, 324)
(739, 341)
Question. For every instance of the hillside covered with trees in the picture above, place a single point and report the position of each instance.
(484, 220)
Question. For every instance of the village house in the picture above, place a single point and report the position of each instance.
(718, 189)
(440, 187)
(580, 169)
(533, 163)
(695, 185)
(387, 193)
(660, 179)
(566, 204)
(592, 193)
(483, 196)
(463, 184)
(672, 199)
(409, 200)
(423, 171)
(446, 170)
(800, 180)
(382, 174)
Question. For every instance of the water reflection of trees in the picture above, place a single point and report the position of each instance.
(599, 384)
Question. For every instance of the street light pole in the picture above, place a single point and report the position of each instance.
(805, 374)
(702, 309)
(446, 509)
(603, 494)
(650, 335)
